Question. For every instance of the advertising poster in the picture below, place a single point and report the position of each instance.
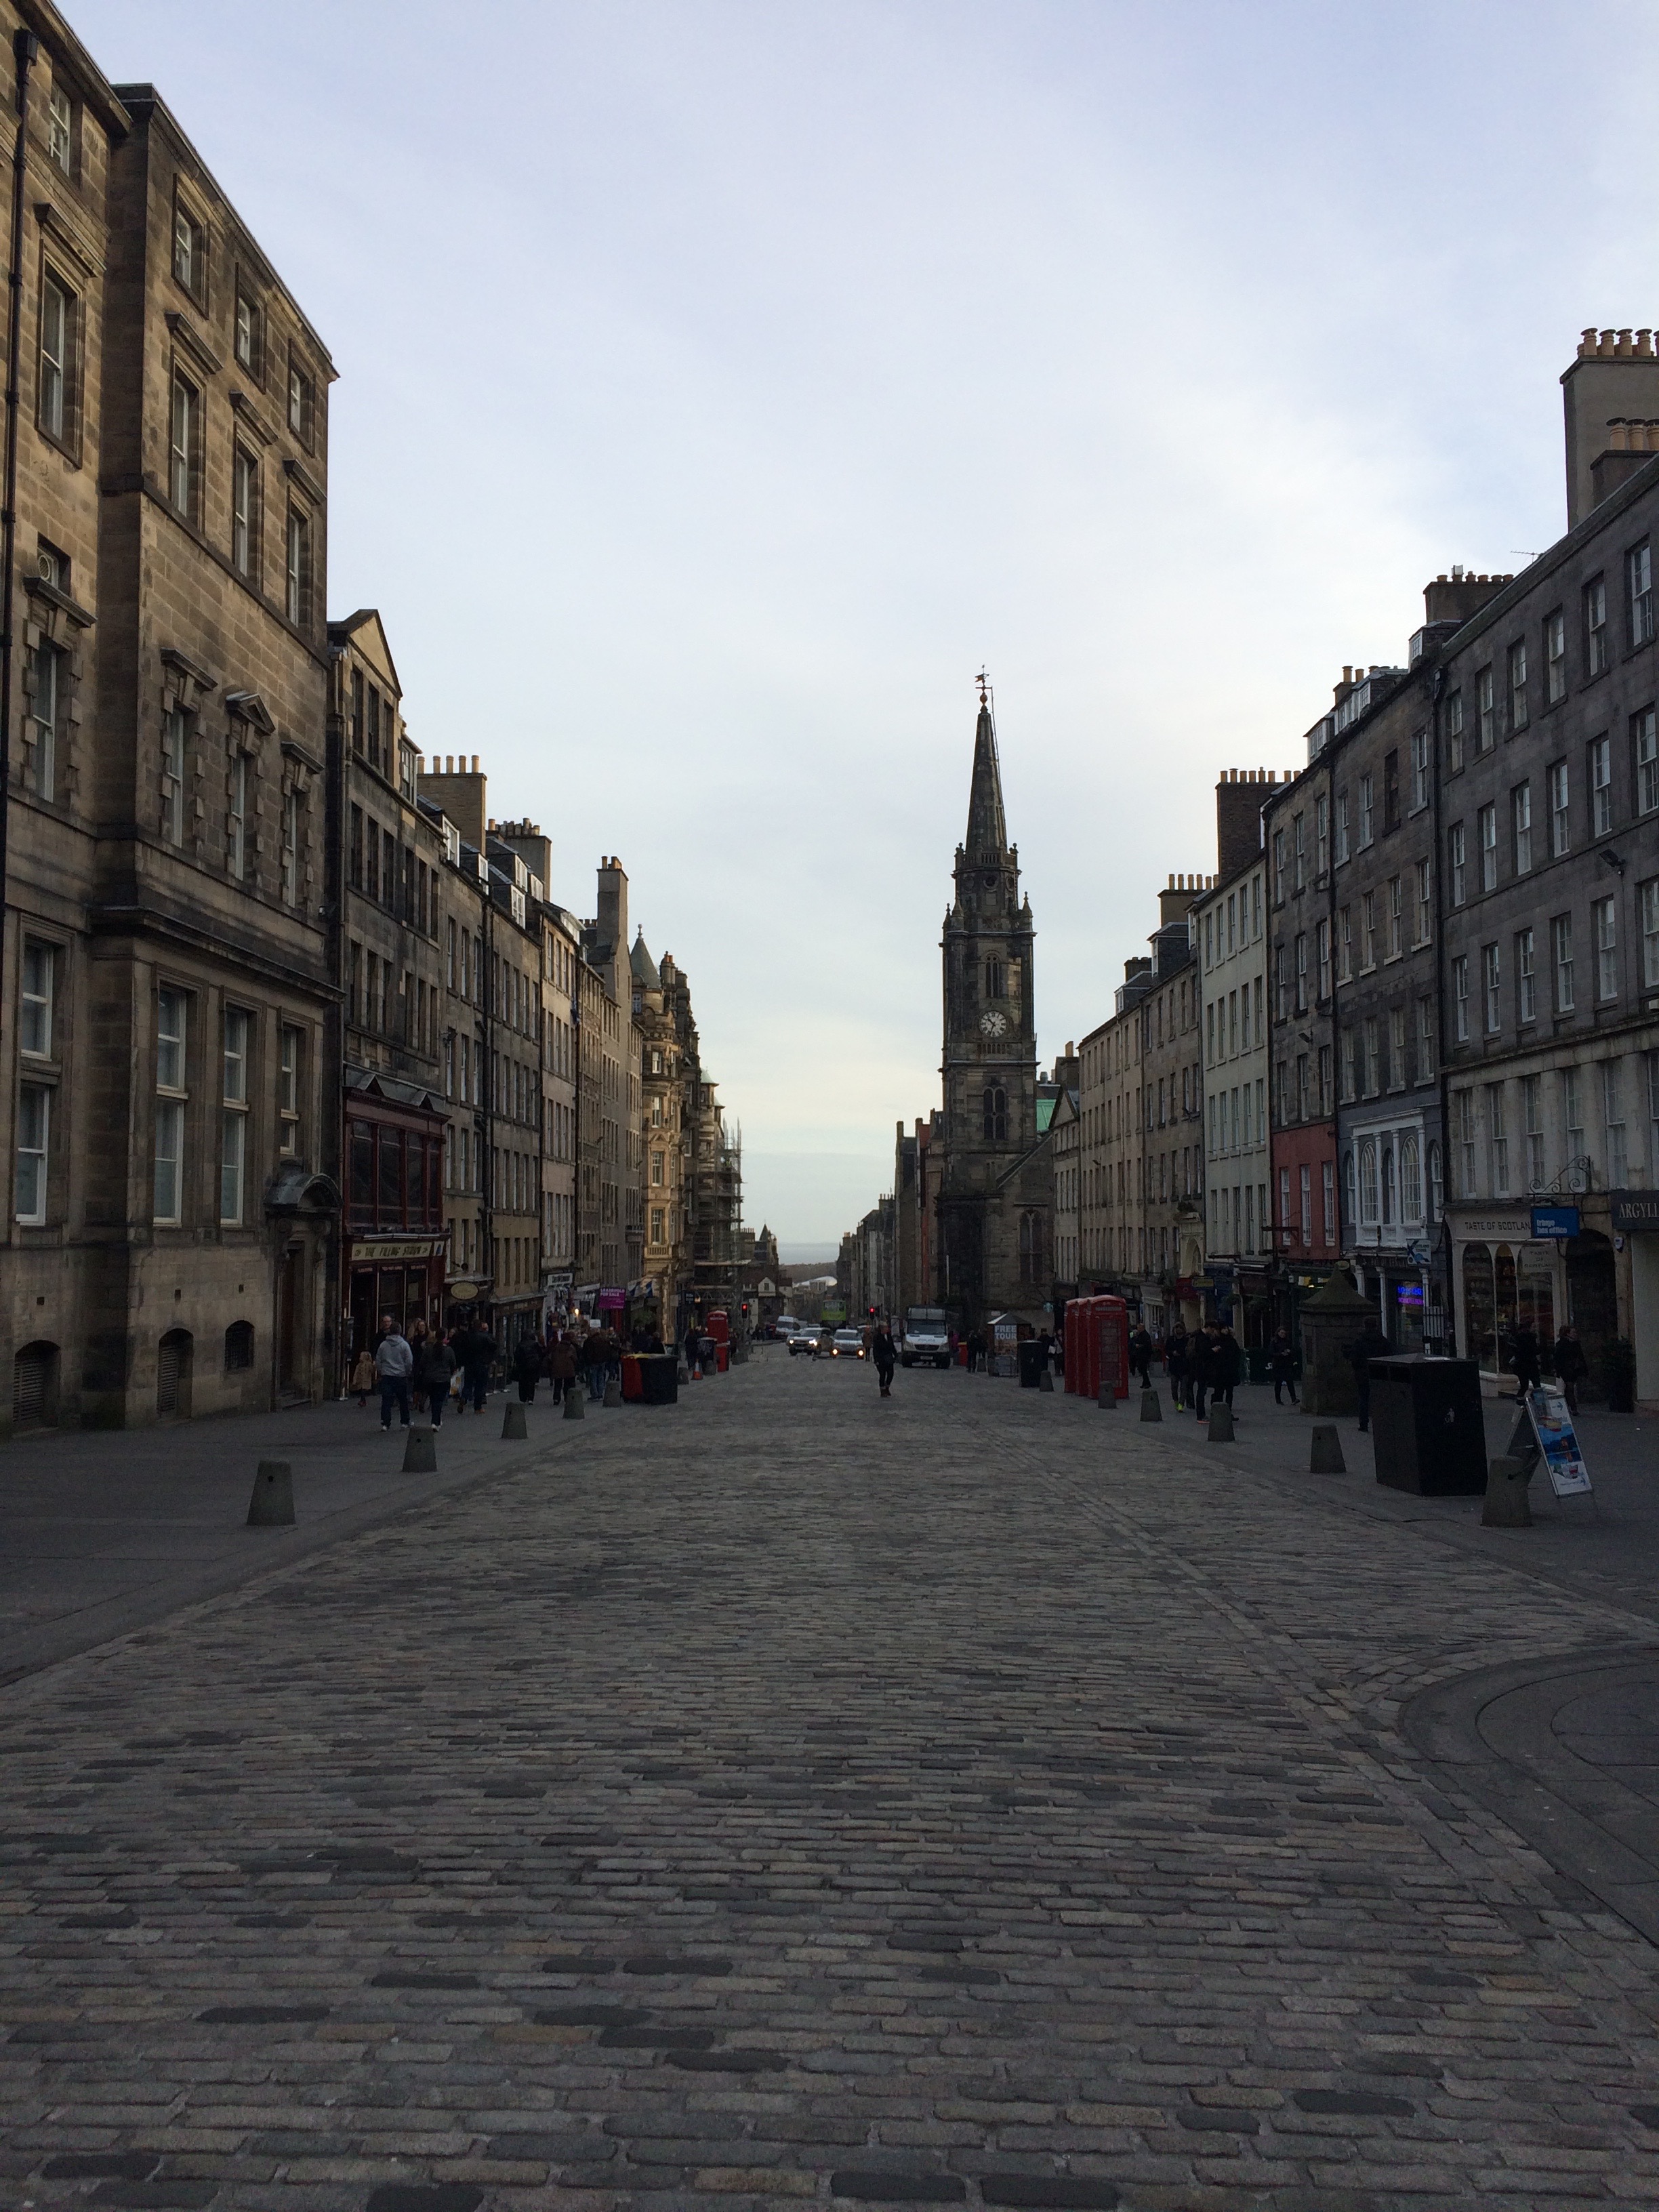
(1551, 1423)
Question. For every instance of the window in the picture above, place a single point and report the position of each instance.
(1350, 1194)
(1397, 1049)
(1396, 916)
(1485, 714)
(1595, 626)
(243, 512)
(1301, 981)
(1424, 903)
(1645, 740)
(37, 995)
(174, 732)
(1420, 770)
(1299, 864)
(993, 979)
(1373, 1052)
(1368, 1179)
(1368, 931)
(1612, 1120)
(1555, 656)
(249, 349)
(1497, 1143)
(1345, 945)
(1648, 897)
(1561, 935)
(34, 1130)
(236, 857)
(233, 1155)
(287, 1090)
(1572, 1113)
(1391, 791)
(1350, 1084)
(189, 253)
(1518, 710)
(181, 445)
(1521, 819)
(1462, 1112)
(1322, 835)
(1279, 867)
(1366, 811)
(1459, 852)
(58, 328)
(299, 402)
(1638, 585)
(1459, 969)
(298, 568)
(1604, 921)
(1532, 1123)
(1526, 979)
(60, 130)
(169, 1105)
(1453, 711)
(995, 1114)
(290, 848)
(45, 672)
(1487, 828)
(1560, 828)
(1341, 828)
(1324, 1093)
(1425, 1040)
(1490, 981)
(1322, 950)
(657, 1221)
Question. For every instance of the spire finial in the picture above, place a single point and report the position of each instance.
(983, 680)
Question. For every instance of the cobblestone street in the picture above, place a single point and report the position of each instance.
(794, 1796)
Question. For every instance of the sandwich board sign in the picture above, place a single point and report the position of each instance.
(1558, 1445)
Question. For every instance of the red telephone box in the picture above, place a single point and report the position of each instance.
(1097, 1339)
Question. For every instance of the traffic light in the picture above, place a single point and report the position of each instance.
(872, 1312)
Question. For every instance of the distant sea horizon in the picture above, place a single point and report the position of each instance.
(808, 1256)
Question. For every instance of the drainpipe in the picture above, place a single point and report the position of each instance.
(26, 48)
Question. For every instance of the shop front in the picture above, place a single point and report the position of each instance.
(1504, 1278)
(394, 1243)
(1634, 1220)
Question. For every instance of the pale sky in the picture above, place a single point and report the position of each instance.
(721, 383)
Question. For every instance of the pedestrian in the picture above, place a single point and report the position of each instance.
(477, 1356)
(437, 1369)
(1370, 1345)
(1140, 1357)
(1524, 1359)
(362, 1377)
(693, 1348)
(393, 1365)
(596, 1360)
(1227, 1363)
(1177, 1350)
(1281, 1361)
(885, 1357)
(561, 1365)
(1571, 1364)
(528, 1360)
(1201, 1368)
(417, 1348)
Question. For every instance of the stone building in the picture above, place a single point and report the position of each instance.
(716, 1166)
(1171, 1234)
(611, 1227)
(996, 1193)
(513, 1090)
(398, 903)
(168, 992)
(668, 1075)
(1064, 1127)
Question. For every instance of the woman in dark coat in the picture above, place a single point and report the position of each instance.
(527, 1361)
(562, 1363)
(437, 1365)
(1225, 1366)
(1281, 1358)
(1571, 1364)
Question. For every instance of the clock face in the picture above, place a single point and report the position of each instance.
(994, 1024)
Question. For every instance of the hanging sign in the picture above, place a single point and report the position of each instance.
(1551, 1423)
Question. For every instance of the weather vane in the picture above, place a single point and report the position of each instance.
(983, 681)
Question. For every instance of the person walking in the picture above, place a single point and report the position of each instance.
(693, 1347)
(595, 1361)
(882, 1351)
(1370, 1345)
(477, 1354)
(1281, 1361)
(1177, 1353)
(1201, 1368)
(561, 1365)
(362, 1377)
(437, 1368)
(527, 1361)
(394, 1363)
(1228, 1362)
(417, 1350)
(1525, 1359)
(1140, 1357)
(1571, 1364)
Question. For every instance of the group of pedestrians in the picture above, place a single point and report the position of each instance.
(1202, 1365)
(417, 1373)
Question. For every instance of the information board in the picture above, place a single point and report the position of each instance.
(1551, 1423)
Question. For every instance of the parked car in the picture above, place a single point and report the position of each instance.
(846, 1344)
(804, 1338)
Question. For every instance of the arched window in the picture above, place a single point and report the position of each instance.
(1030, 1248)
(1410, 1181)
(1350, 1209)
(1387, 1183)
(1368, 1179)
(238, 1346)
(1437, 1188)
(993, 979)
(996, 1114)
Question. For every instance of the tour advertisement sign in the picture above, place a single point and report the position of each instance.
(1551, 1423)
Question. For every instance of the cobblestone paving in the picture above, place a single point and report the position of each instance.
(798, 1797)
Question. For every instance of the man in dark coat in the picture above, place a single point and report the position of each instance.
(1177, 1350)
(882, 1351)
(1571, 1364)
(1140, 1357)
(477, 1357)
(527, 1361)
(1370, 1345)
(1525, 1360)
(1225, 1365)
(1281, 1360)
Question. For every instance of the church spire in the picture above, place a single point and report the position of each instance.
(987, 832)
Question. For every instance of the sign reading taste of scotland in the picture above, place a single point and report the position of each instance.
(1555, 1221)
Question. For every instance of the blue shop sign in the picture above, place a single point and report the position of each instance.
(1554, 1221)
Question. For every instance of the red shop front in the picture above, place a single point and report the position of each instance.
(395, 1244)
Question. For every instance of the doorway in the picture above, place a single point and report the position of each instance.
(289, 1288)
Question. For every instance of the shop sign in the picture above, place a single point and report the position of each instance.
(1506, 1228)
(1637, 1210)
(612, 1301)
(424, 1248)
(559, 1279)
(463, 1293)
(1254, 1283)
(1555, 1221)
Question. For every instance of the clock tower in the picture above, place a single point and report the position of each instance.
(995, 1201)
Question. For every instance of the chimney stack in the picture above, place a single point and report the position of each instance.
(1237, 821)
(461, 795)
(1615, 379)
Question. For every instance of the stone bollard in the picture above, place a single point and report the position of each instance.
(1045, 1381)
(1107, 1400)
(1221, 1423)
(1150, 1407)
(575, 1408)
(421, 1452)
(513, 1421)
(613, 1393)
(1325, 1449)
(682, 1373)
(1506, 1505)
(272, 1503)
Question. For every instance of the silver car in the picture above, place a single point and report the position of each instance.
(846, 1344)
(803, 1339)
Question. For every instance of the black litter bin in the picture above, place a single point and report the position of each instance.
(1427, 1426)
(1033, 1359)
(659, 1379)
